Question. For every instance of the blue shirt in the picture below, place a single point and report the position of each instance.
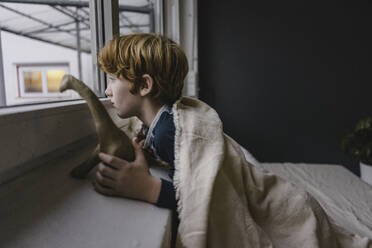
(160, 142)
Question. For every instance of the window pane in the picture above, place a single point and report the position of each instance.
(53, 79)
(33, 82)
(44, 37)
(135, 21)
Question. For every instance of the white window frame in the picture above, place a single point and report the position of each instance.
(180, 24)
(43, 68)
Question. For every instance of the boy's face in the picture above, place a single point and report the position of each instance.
(125, 103)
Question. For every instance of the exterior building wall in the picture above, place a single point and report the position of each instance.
(21, 50)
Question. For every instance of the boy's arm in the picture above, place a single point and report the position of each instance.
(167, 195)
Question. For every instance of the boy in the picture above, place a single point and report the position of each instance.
(146, 74)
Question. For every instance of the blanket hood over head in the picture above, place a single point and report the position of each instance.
(223, 201)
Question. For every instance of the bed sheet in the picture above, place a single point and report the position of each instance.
(344, 196)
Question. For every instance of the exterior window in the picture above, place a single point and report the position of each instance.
(34, 33)
(41, 80)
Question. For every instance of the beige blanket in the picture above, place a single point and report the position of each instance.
(223, 201)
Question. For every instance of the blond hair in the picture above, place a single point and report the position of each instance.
(132, 56)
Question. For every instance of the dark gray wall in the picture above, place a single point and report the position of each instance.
(288, 78)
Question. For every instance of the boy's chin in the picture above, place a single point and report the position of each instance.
(123, 115)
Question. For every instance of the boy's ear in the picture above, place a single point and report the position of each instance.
(147, 85)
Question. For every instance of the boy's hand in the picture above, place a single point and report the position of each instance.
(118, 177)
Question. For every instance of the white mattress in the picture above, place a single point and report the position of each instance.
(345, 198)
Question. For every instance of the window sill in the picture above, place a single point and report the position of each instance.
(48, 208)
(25, 111)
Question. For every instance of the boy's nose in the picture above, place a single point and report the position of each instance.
(108, 91)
